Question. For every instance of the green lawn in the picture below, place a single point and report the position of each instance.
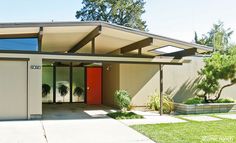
(124, 115)
(223, 131)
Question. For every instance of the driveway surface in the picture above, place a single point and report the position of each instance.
(70, 124)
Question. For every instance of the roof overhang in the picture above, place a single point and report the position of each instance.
(96, 38)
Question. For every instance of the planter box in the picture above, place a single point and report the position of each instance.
(205, 108)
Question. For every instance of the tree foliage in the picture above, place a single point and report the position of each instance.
(218, 37)
(123, 12)
(220, 66)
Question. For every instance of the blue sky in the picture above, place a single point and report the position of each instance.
(173, 18)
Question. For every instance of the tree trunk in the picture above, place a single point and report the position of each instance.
(220, 91)
(204, 96)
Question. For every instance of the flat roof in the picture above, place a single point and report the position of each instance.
(105, 38)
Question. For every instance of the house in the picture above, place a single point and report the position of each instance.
(84, 62)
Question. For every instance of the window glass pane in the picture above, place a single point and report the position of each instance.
(22, 44)
(62, 84)
(47, 95)
(78, 84)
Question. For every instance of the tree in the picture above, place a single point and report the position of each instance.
(218, 37)
(220, 66)
(123, 12)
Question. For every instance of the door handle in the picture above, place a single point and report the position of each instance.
(88, 88)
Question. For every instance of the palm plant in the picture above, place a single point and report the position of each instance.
(78, 91)
(45, 89)
(63, 90)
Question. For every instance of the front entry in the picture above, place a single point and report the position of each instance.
(94, 85)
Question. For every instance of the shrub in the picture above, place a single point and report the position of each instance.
(224, 100)
(154, 103)
(194, 100)
(124, 115)
(123, 99)
(198, 100)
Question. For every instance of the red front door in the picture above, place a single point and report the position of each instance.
(94, 85)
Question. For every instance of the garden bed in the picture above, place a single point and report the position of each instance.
(124, 115)
(204, 108)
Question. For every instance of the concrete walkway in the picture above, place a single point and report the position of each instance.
(73, 124)
(21, 132)
(86, 124)
(203, 118)
(70, 124)
(152, 118)
(227, 116)
(91, 131)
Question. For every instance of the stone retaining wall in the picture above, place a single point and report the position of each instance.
(205, 108)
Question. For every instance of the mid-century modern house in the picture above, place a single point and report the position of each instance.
(86, 62)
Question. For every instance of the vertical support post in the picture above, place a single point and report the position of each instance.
(40, 37)
(161, 89)
(93, 46)
(140, 51)
(71, 76)
(54, 83)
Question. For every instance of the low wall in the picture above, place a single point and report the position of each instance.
(204, 108)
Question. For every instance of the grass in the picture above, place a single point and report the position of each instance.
(124, 115)
(223, 131)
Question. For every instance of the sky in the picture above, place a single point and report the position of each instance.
(172, 18)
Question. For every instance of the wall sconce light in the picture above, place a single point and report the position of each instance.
(108, 67)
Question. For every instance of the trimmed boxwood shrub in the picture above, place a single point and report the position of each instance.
(194, 100)
(198, 100)
(224, 100)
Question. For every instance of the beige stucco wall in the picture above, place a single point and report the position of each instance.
(34, 83)
(13, 90)
(141, 80)
(110, 83)
(182, 80)
(35, 86)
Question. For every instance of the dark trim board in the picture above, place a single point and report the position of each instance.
(85, 85)
(27, 89)
(54, 84)
(19, 36)
(13, 59)
(71, 78)
(161, 89)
